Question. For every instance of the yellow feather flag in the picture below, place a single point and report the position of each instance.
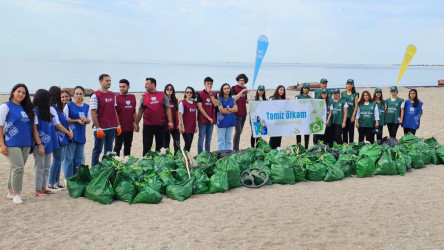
(409, 53)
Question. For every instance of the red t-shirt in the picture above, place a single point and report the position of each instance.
(106, 111)
(154, 109)
(173, 115)
(207, 105)
(126, 106)
(241, 102)
(189, 116)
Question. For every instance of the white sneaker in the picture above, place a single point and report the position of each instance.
(10, 196)
(17, 199)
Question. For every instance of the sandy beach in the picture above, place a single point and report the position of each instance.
(395, 212)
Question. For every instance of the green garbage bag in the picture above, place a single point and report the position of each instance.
(180, 191)
(155, 183)
(164, 162)
(316, 171)
(218, 182)
(282, 174)
(326, 156)
(440, 153)
(372, 150)
(135, 172)
(409, 138)
(434, 157)
(244, 161)
(200, 185)
(77, 183)
(265, 165)
(417, 158)
(297, 149)
(124, 187)
(334, 172)
(255, 154)
(426, 151)
(166, 177)
(298, 165)
(206, 161)
(147, 195)
(400, 163)
(271, 156)
(233, 171)
(365, 167)
(346, 163)
(385, 164)
(432, 142)
(100, 188)
(263, 145)
(181, 174)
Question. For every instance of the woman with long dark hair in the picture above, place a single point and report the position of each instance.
(260, 96)
(16, 133)
(367, 117)
(337, 115)
(225, 117)
(63, 133)
(395, 112)
(304, 95)
(78, 115)
(279, 94)
(65, 97)
(170, 92)
(188, 117)
(351, 97)
(48, 138)
(327, 137)
(412, 113)
(382, 107)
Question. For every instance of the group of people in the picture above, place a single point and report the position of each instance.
(53, 126)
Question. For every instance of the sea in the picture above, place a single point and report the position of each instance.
(38, 74)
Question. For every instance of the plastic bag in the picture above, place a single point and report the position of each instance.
(400, 163)
(385, 164)
(206, 161)
(365, 167)
(282, 174)
(218, 182)
(409, 138)
(200, 185)
(124, 187)
(440, 152)
(100, 188)
(346, 163)
(180, 191)
(373, 151)
(232, 169)
(147, 195)
(334, 172)
(316, 171)
(263, 145)
(417, 159)
(78, 182)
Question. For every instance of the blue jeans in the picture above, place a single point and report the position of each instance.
(224, 138)
(58, 156)
(75, 155)
(205, 132)
(99, 144)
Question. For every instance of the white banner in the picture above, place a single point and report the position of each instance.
(287, 117)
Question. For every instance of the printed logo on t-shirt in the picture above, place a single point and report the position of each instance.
(208, 99)
(44, 138)
(192, 110)
(81, 114)
(11, 131)
(24, 115)
(154, 100)
(208, 102)
(127, 102)
(108, 99)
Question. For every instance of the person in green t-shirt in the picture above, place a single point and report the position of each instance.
(382, 107)
(337, 115)
(395, 112)
(279, 94)
(351, 97)
(367, 117)
(327, 137)
(317, 95)
(304, 95)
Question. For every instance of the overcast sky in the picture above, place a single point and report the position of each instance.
(362, 32)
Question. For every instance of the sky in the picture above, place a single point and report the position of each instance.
(349, 32)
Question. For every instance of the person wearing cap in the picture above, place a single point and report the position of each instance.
(413, 113)
(260, 96)
(279, 94)
(304, 95)
(337, 115)
(351, 97)
(395, 112)
(327, 137)
(241, 114)
(323, 85)
(382, 107)
(367, 117)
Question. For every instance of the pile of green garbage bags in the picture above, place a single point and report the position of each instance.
(148, 179)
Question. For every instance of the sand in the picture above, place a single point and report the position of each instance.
(395, 212)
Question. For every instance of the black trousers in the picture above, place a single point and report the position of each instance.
(148, 133)
(337, 133)
(125, 138)
(348, 133)
(306, 140)
(393, 129)
(328, 137)
(379, 136)
(407, 130)
(188, 138)
(367, 133)
(176, 139)
(275, 142)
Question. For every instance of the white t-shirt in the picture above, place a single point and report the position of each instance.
(4, 110)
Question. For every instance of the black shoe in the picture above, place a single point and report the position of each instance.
(409, 170)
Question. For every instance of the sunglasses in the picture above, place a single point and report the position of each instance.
(188, 92)
(169, 89)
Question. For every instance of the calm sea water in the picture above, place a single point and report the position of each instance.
(43, 74)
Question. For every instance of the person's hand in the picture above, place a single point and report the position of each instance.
(119, 130)
(41, 149)
(170, 125)
(343, 125)
(357, 124)
(5, 150)
(352, 119)
(211, 120)
(400, 122)
(100, 134)
(181, 129)
(83, 118)
(376, 124)
(136, 127)
(196, 131)
(70, 134)
(81, 121)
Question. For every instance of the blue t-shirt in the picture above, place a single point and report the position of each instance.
(18, 127)
(76, 112)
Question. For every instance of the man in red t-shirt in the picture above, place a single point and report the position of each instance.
(206, 117)
(241, 114)
(155, 109)
(126, 110)
(105, 119)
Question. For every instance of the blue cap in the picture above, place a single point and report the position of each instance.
(261, 87)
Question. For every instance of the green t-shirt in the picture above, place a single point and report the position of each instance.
(367, 115)
(393, 110)
(303, 96)
(317, 93)
(381, 113)
(337, 111)
(350, 99)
